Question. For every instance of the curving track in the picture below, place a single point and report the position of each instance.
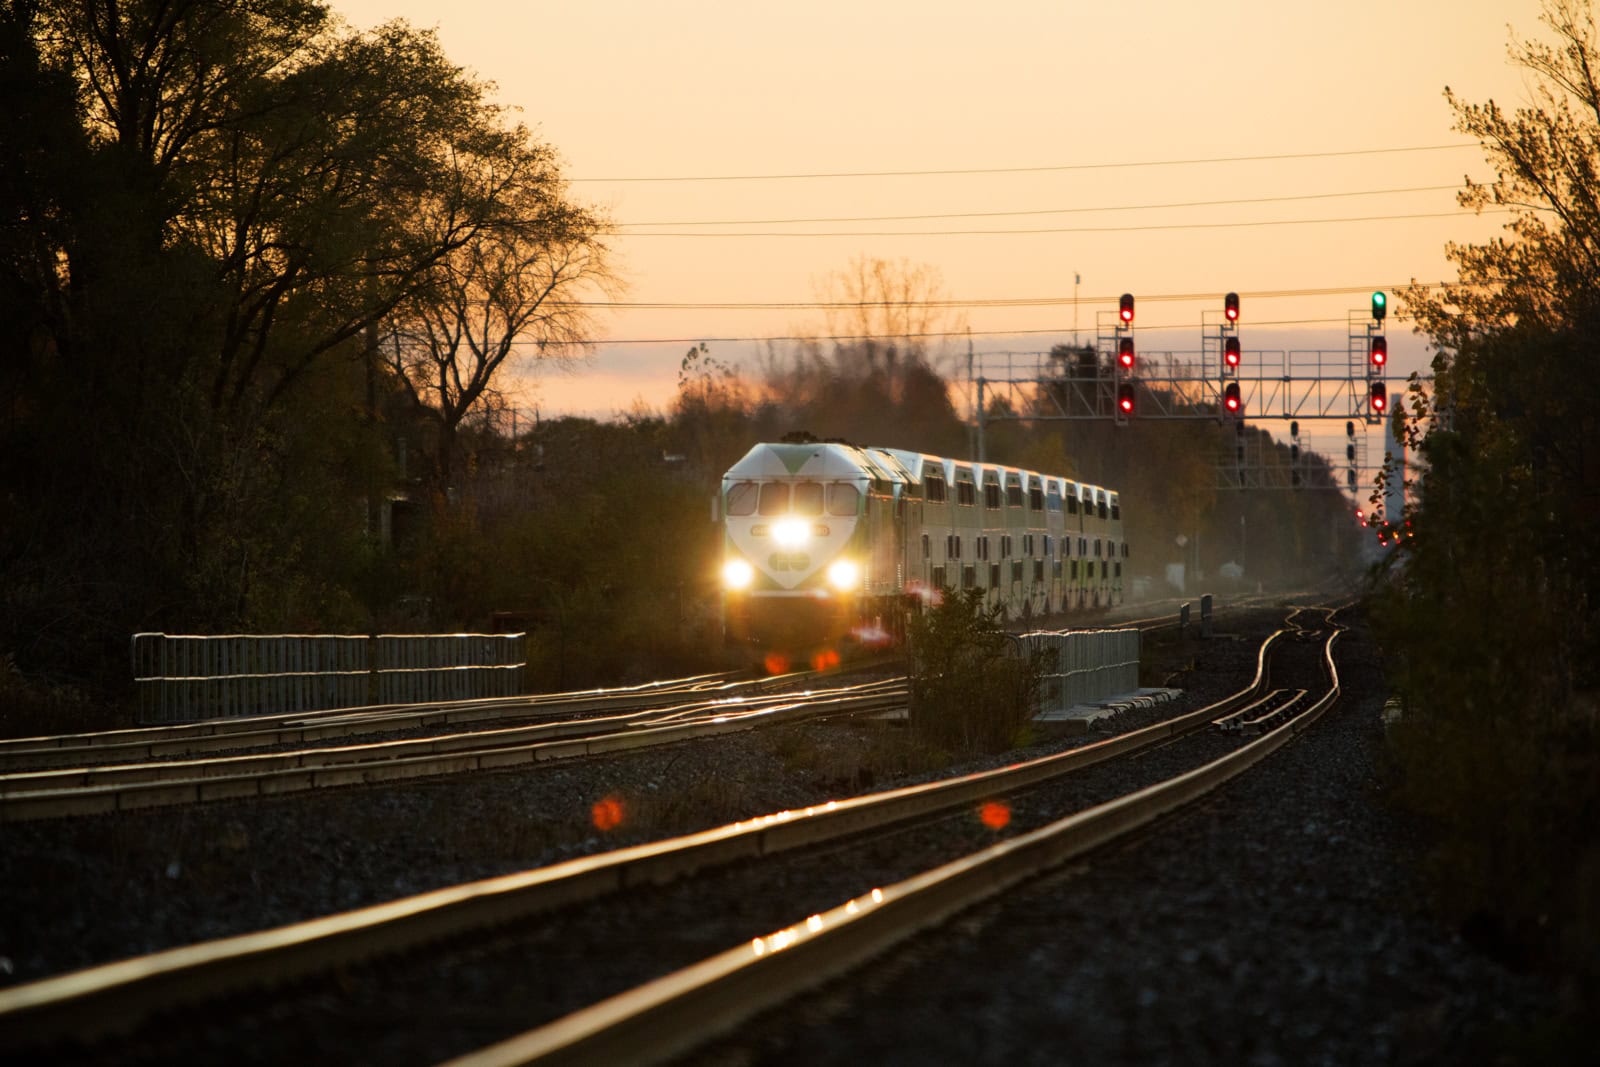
(124, 992)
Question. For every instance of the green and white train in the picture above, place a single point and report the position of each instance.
(827, 545)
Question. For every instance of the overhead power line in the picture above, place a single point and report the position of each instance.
(1048, 211)
(991, 302)
(1065, 229)
(1031, 170)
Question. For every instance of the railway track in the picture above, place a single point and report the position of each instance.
(666, 717)
(121, 994)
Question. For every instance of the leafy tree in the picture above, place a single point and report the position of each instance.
(211, 201)
(515, 285)
(1494, 604)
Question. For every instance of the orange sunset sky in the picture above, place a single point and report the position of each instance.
(1119, 143)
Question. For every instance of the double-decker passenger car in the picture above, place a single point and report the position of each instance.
(826, 544)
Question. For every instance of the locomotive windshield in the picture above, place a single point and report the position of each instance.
(808, 498)
(742, 498)
(843, 498)
(774, 498)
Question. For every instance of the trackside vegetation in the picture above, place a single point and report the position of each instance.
(971, 689)
(1489, 605)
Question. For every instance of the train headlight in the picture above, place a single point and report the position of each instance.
(791, 532)
(844, 575)
(737, 574)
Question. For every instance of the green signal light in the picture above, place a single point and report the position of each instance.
(1380, 305)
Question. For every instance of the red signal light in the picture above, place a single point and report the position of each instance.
(1125, 399)
(1379, 397)
(1125, 307)
(1231, 399)
(1380, 351)
(1230, 351)
(1125, 353)
(1230, 307)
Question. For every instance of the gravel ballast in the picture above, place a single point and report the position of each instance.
(1278, 923)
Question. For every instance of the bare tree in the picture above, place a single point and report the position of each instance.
(510, 295)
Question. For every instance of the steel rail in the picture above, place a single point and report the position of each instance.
(115, 996)
(675, 1014)
(327, 756)
(262, 730)
(309, 770)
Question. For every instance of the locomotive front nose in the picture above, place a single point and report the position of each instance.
(791, 532)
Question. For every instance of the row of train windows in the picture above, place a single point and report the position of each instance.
(969, 574)
(952, 546)
(799, 498)
(936, 491)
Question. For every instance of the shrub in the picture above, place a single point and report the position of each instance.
(969, 691)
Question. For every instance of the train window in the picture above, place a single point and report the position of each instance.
(1014, 496)
(969, 577)
(1102, 509)
(1055, 570)
(742, 498)
(1097, 548)
(843, 498)
(965, 494)
(994, 576)
(1074, 570)
(927, 547)
(991, 495)
(1119, 570)
(1072, 505)
(1116, 509)
(1124, 550)
(1038, 570)
(1036, 498)
(934, 487)
(1083, 546)
(774, 498)
(938, 577)
(808, 499)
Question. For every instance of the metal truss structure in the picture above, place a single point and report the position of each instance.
(1293, 386)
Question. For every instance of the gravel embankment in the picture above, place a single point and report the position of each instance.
(1279, 923)
(1276, 924)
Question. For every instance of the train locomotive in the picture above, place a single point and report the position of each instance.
(827, 546)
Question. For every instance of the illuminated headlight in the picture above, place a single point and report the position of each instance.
(843, 575)
(791, 532)
(737, 574)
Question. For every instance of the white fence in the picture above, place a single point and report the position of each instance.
(185, 676)
(1088, 666)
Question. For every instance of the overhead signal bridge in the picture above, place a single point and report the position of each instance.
(1113, 380)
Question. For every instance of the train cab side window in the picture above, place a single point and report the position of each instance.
(843, 498)
(774, 498)
(742, 498)
(933, 486)
(808, 498)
